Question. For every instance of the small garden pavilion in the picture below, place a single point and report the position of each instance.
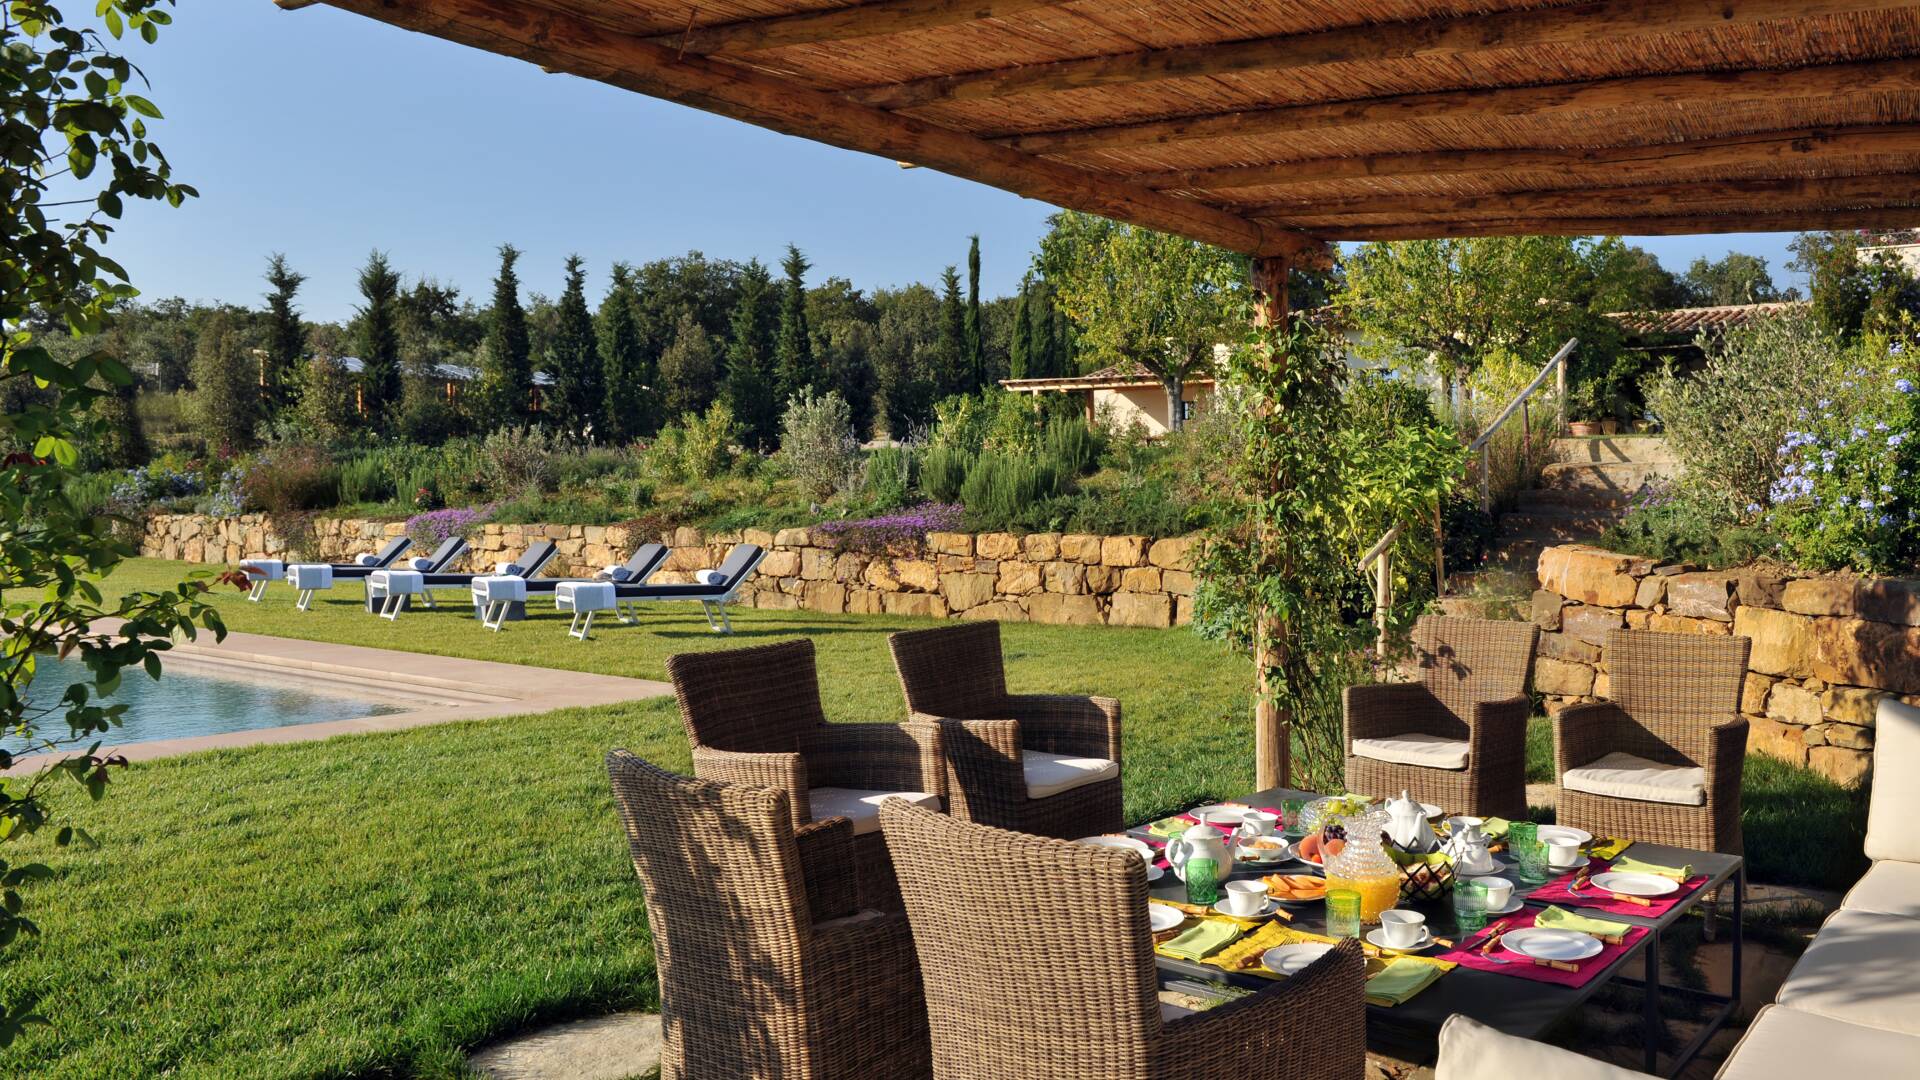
(1272, 127)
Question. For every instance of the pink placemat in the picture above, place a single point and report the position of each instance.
(1156, 844)
(1517, 965)
(1555, 892)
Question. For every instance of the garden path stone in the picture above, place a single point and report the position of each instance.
(616, 1047)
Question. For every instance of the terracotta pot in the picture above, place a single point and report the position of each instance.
(1610, 427)
(1583, 427)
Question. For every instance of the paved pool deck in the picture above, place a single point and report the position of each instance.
(441, 689)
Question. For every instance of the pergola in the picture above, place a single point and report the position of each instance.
(1270, 127)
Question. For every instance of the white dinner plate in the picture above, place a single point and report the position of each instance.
(1293, 959)
(1543, 944)
(1563, 834)
(1161, 917)
(1378, 937)
(1124, 843)
(1642, 885)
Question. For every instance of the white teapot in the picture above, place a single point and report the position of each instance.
(1203, 842)
(1467, 845)
(1407, 825)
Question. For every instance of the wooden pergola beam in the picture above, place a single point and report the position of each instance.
(1613, 162)
(567, 43)
(1558, 25)
(1900, 184)
(841, 24)
(1882, 217)
(1693, 88)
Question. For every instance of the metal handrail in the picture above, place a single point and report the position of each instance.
(1379, 557)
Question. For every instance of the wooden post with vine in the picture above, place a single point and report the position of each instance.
(1272, 738)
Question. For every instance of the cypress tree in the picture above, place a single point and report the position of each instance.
(687, 369)
(1019, 348)
(379, 343)
(793, 351)
(506, 376)
(976, 338)
(625, 363)
(950, 378)
(286, 338)
(573, 356)
(226, 387)
(749, 385)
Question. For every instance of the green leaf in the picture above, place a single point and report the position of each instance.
(144, 107)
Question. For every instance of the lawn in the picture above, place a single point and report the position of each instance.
(374, 905)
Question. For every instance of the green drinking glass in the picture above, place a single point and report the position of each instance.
(1531, 862)
(1470, 906)
(1290, 811)
(1343, 913)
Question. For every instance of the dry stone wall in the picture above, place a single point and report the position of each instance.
(1825, 649)
(1040, 577)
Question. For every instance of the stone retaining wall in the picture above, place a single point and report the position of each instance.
(1826, 649)
(1041, 577)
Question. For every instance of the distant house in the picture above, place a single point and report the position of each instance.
(1902, 244)
(453, 377)
(1676, 333)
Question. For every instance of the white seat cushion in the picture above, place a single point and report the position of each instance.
(1863, 968)
(1051, 774)
(1890, 888)
(585, 596)
(1891, 816)
(1470, 1050)
(498, 589)
(1427, 751)
(1624, 776)
(269, 569)
(861, 807)
(1785, 1042)
(311, 575)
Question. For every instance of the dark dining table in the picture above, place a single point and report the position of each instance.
(1517, 1006)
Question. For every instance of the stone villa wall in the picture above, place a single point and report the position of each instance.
(1826, 649)
(1041, 577)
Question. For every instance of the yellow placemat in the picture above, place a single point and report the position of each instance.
(1389, 976)
(1609, 848)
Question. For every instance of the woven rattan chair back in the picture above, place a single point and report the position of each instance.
(953, 671)
(1036, 953)
(758, 700)
(1674, 686)
(727, 905)
(1463, 661)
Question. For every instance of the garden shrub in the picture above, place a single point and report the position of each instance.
(434, 527)
(290, 478)
(1071, 445)
(943, 472)
(889, 477)
(1668, 522)
(366, 479)
(817, 445)
(1002, 487)
(698, 448)
(890, 533)
(519, 460)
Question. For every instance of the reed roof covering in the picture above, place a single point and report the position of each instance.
(1267, 126)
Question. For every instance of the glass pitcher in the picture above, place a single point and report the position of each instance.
(1364, 867)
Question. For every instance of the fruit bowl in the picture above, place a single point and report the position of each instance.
(1423, 877)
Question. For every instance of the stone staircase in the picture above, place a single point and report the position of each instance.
(1586, 485)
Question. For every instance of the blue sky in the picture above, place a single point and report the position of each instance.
(324, 135)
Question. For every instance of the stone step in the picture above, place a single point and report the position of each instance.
(1646, 449)
(1560, 526)
(1620, 480)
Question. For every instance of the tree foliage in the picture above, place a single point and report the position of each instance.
(226, 388)
(629, 369)
(378, 319)
(689, 368)
(286, 337)
(573, 359)
(1853, 290)
(1735, 278)
(750, 379)
(793, 349)
(504, 396)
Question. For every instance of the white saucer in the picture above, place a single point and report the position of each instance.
(1514, 903)
(1155, 873)
(1547, 834)
(1582, 864)
(1293, 959)
(1378, 937)
(1161, 917)
(1124, 843)
(1220, 908)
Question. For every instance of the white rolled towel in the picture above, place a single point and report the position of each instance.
(709, 577)
(613, 573)
(420, 563)
(367, 560)
(507, 569)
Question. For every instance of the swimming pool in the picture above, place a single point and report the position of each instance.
(198, 697)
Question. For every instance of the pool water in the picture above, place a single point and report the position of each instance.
(193, 698)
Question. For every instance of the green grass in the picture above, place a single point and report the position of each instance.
(376, 905)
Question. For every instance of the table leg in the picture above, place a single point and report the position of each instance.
(1739, 931)
(1650, 1011)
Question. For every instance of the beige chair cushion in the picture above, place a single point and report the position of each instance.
(1051, 774)
(1893, 818)
(1624, 776)
(861, 807)
(1428, 751)
(1785, 1042)
(1470, 1050)
(1890, 888)
(1863, 968)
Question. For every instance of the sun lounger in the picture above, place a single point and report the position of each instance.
(713, 595)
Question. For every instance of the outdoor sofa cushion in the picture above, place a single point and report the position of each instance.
(1890, 888)
(861, 807)
(1427, 751)
(1470, 1050)
(1784, 1042)
(1863, 968)
(1050, 774)
(1893, 817)
(1624, 776)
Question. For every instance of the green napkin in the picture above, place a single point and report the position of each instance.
(1208, 935)
(1495, 827)
(1400, 980)
(1558, 918)
(1169, 826)
(1626, 865)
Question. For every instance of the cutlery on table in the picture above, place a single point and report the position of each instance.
(1639, 900)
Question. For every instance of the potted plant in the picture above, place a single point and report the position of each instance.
(1584, 408)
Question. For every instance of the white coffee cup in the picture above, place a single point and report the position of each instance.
(1401, 929)
(1259, 823)
(1563, 852)
(1245, 897)
(1499, 892)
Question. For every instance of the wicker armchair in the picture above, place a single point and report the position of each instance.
(1047, 764)
(1662, 760)
(754, 717)
(1038, 963)
(1466, 719)
(766, 967)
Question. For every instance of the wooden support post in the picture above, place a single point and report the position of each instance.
(1560, 393)
(1272, 737)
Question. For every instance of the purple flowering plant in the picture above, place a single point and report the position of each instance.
(431, 529)
(899, 532)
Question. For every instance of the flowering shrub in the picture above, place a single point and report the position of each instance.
(154, 483)
(1848, 492)
(889, 532)
(435, 527)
